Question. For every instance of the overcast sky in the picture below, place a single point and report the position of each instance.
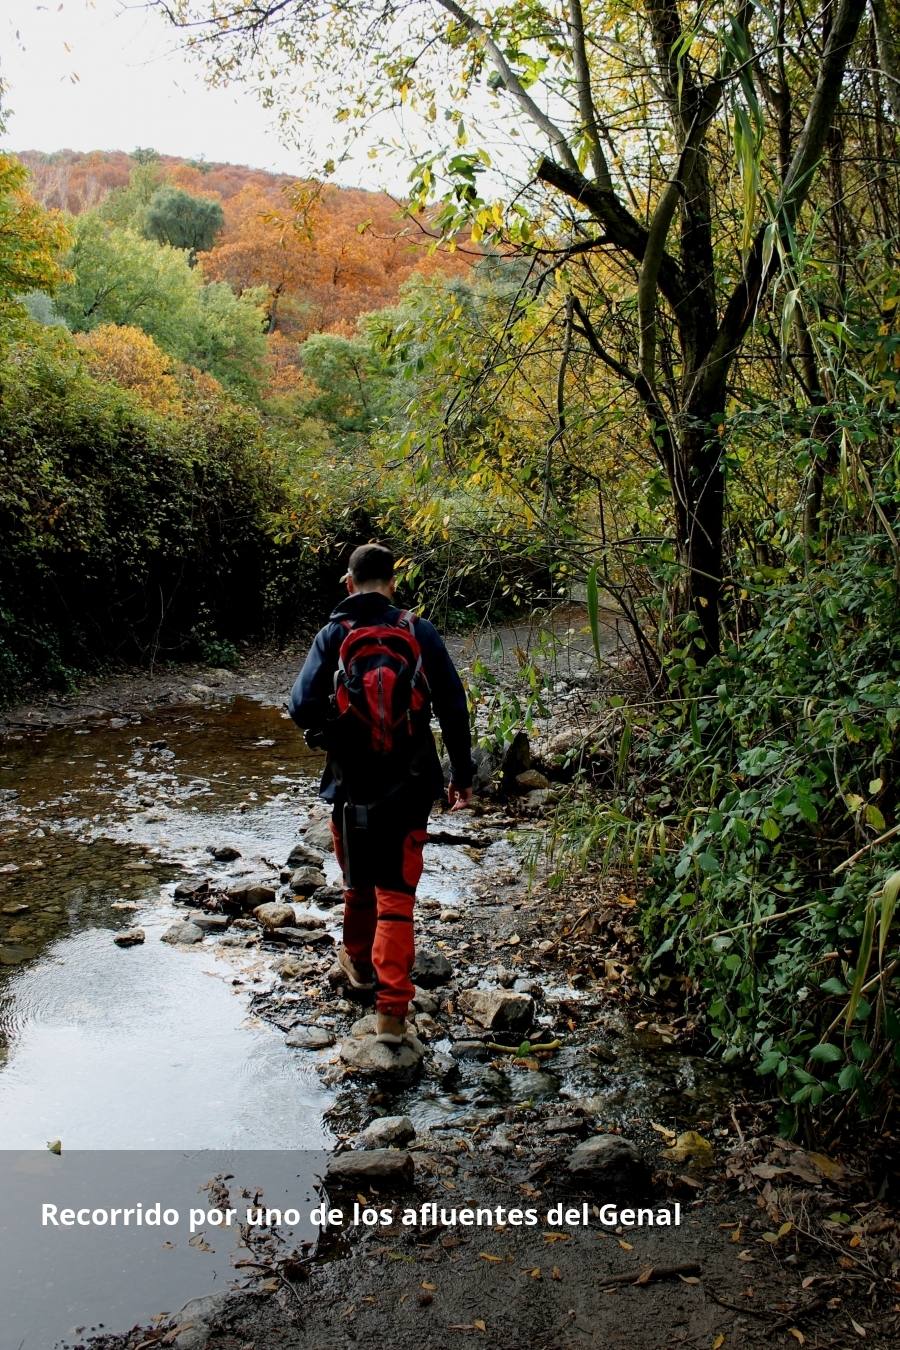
(103, 75)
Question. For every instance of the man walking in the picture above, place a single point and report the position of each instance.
(365, 695)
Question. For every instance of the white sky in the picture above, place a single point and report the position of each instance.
(105, 75)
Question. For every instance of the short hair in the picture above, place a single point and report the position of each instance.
(371, 562)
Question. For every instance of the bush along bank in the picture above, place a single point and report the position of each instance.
(759, 799)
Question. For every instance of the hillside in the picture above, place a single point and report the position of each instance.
(326, 254)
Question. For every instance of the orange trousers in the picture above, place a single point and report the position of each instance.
(378, 916)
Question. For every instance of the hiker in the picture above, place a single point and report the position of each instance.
(365, 695)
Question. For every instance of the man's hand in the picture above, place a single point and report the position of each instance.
(459, 798)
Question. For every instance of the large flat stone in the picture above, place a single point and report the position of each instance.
(497, 1009)
(366, 1055)
(376, 1167)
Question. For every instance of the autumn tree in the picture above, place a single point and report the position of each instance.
(126, 356)
(638, 124)
(31, 240)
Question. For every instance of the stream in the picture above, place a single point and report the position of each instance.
(176, 1055)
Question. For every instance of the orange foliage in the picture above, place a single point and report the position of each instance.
(325, 254)
(129, 358)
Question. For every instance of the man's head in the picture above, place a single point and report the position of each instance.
(371, 568)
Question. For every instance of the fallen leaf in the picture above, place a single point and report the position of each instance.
(719, 1341)
(426, 1284)
(797, 1335)
(667, 1134)
(487, 1256)
(690, 1145)
(626, 1246)
(557, 1237)
(860, 1331)
(687, 1279)
(55, 1145)
(556, 1273)
(478, 1324)
(199, 1242)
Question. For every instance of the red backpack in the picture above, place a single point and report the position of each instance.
(381, 694)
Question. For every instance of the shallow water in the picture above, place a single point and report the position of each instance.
(154, 1047)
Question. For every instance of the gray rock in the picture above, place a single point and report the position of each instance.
(274, 915)
(530, 780)
(486, 765)
(248, 895)
(318, 836)
(191, 892)
(309, 937)
(211, 923)
(388, 1132)
(469, 1049)
(306, 880)
(224, 852)
(538, 799)
(516, 756)
(424, 1002)
(611, 1163)
(183, 934)
(129, 937)
(309, 1038)
(367, 1055)
(301, 855)
(497, 1009)
(431, 969)
(327, 896)
(193, 1321)
(295, 967)
(377, 1167)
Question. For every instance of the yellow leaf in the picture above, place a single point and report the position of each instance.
(719, 1341)
(690, 1145)
(479, 1325)
(797, 1335)
(487, 1256)
(626, 1246)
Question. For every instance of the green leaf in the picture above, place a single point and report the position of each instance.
(826, 1053)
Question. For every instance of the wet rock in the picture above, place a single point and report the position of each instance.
(367, 1055)
(388, 1132)
(327, 897)
(469, 1049)
(248, 895)
(500, 1142)
(563, 1125)
(497, 1009)
(193, 1329)
(318, 836)
(301, 855)
(424, 1002)
(211, 923)
(530, 780)
(183, 934)
(485, 764)
(377, 1167)
(129, 937)
(539, 798)
(274, 915)
(505, 977)
(223, 852)
(191, 892)
(516, 756)
(307, 880)
(426, 1027)
(295, 967)
(431, 969)
(309, 1038)
(610, 1162)
(15, 909)
(310, 937)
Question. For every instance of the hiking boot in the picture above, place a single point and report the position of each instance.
(390, 1030)
(356, 978)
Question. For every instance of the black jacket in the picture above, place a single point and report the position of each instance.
(310, 700)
